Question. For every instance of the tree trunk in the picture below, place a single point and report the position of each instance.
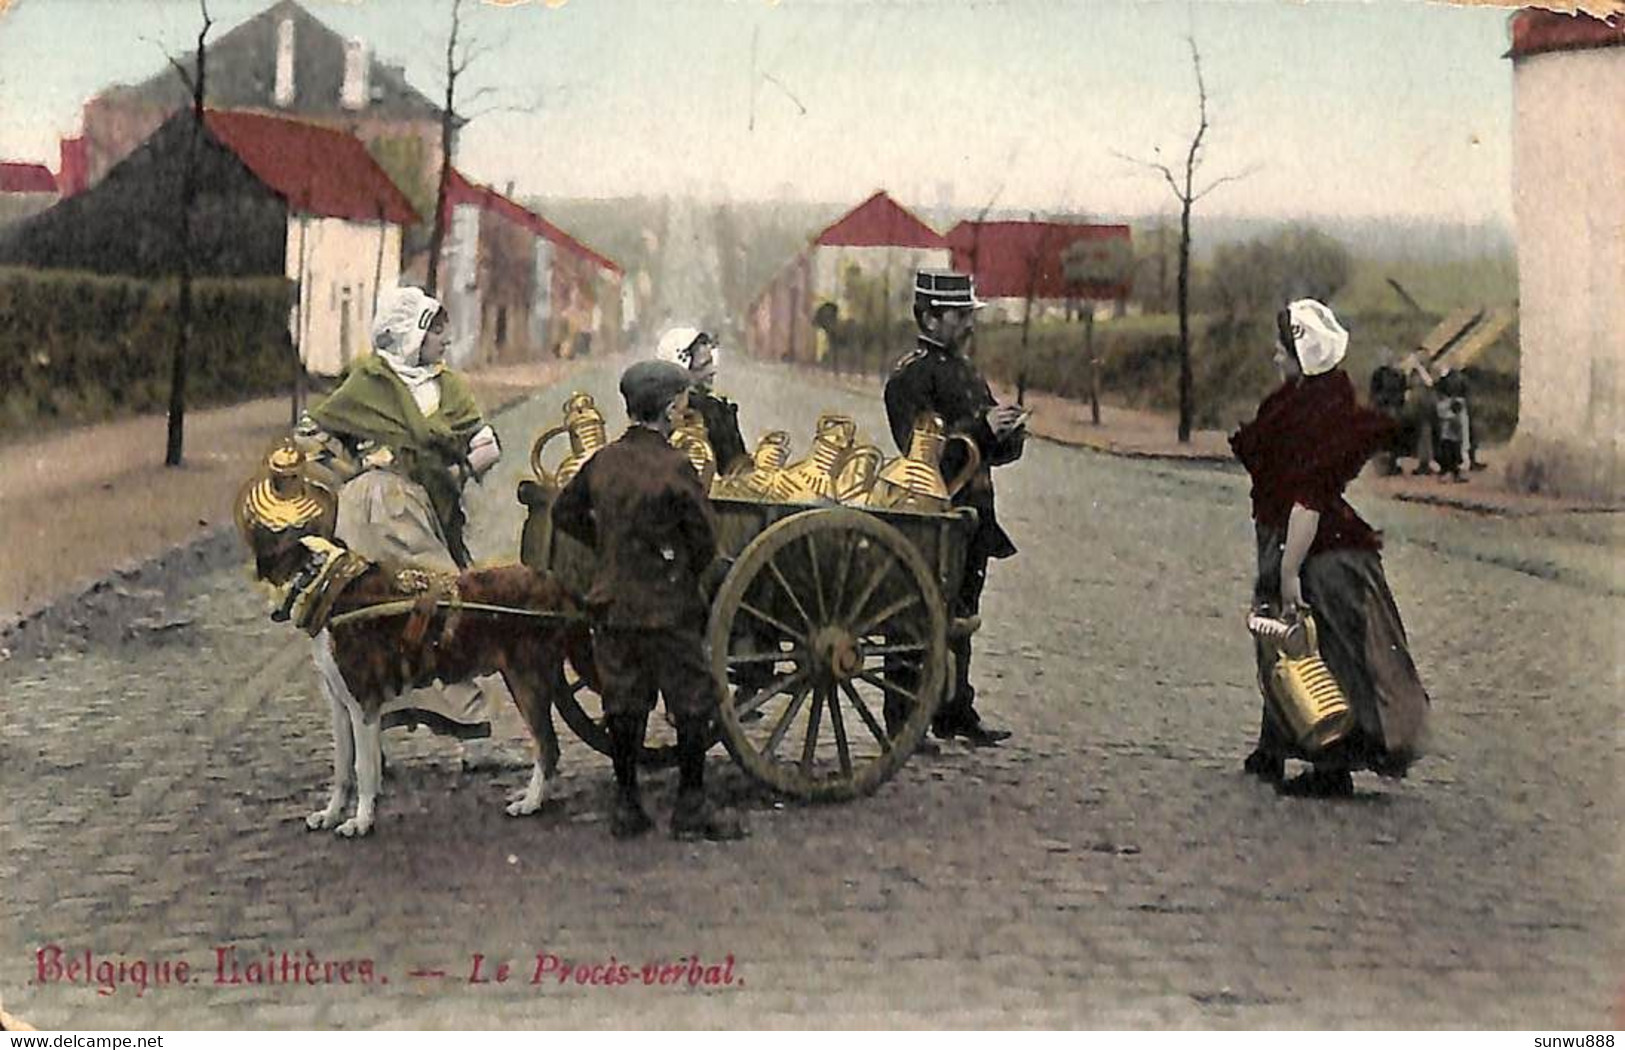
(1186, 409)
(1094, 362)
(437, 235)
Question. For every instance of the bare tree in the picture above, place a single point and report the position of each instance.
(1034, 261)
(183, 309)
(1183, 185)
(462, 52)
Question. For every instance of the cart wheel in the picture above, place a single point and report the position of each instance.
(825, 615)
(583, 712)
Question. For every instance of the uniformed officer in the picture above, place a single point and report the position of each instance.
(938, 377)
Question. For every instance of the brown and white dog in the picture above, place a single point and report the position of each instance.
(365, 661)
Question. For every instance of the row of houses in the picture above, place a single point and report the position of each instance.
(319, 163)
(861, 268)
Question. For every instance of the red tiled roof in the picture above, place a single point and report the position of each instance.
(462, 190)
(880, 222)
(1535, 31)
(317, 170)
(1000, 255)
(20, 177)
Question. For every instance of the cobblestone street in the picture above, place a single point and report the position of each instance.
(1108, 867)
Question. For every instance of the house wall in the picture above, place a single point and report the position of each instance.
(1571, 266)
(340, 266)
(895, 266)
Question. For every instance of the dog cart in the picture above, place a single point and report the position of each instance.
(818, 612)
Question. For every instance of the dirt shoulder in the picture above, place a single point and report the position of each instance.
(79, 505)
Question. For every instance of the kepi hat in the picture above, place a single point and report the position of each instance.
(944, 290)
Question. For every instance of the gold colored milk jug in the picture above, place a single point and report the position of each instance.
(914, 481)
(691, 438)
(816, 477)
(757, 480)
(1300, 685)
(585, 426)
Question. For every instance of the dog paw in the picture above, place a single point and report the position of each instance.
(322, 819)
(524, 805)
(353, 828)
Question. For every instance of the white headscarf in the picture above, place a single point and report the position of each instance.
(1319, 340)
(676, 346)
(398, 331)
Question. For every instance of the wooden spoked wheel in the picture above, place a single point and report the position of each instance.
(824, 616)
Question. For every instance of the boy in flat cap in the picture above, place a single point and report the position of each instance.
(640, 506)
(938, 377)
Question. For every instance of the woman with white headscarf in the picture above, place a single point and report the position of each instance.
(1309, 440)
(697, 353)
(403, 434)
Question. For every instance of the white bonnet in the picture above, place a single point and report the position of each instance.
(1317, 338)
(403, 319)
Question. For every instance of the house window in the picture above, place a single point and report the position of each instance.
(502, 326)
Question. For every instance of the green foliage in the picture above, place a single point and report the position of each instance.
(1231, 361)
(1254, 278)
(79, 348)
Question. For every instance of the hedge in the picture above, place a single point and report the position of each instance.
(80, 348)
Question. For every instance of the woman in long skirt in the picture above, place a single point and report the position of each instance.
(1309, 440)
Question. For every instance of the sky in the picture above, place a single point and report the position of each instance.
(1383, 108)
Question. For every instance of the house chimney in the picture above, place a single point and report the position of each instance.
(354, 93)
(284, 63)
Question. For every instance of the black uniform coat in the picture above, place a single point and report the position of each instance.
(934, 379)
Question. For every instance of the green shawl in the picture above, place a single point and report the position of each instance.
(372, 403)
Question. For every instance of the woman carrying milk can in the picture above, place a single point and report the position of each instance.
(1309, 440)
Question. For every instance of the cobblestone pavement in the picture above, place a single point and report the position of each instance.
(1109, 867)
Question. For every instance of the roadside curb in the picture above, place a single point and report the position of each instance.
(1497, 503)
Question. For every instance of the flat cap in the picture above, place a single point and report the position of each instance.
(649, 386)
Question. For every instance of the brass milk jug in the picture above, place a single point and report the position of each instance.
(691, 438)
(859, 474)
(914, 481)
(1299, 683)
(815, 477)
(585, 426)
(757, 480)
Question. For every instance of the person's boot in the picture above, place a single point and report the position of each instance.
(1271, 769)
(1320, 783)
(628, 819)
(693, 818)
(967, 725)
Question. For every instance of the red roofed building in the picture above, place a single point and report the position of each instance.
(25, 189)
(858, 270)
(275, 197)
(17, 177)
(1568, 76)
(519, 288)
(1013, 260)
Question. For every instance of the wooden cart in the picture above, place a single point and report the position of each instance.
(818, 612)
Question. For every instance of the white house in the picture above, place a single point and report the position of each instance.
(1568, 152)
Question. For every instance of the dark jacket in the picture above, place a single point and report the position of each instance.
(640, 506)
(933, 379)
(721, 427)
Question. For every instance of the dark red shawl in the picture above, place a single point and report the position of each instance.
(1311, 438)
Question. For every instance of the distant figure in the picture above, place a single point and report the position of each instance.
(1423, 404)
(1454, 425)
(1308, 441)
(1388, 397)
